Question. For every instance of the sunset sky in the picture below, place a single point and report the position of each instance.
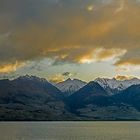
(58, 39)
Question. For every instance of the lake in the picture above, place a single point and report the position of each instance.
(70, 131)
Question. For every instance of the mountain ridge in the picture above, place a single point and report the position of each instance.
(114, 85)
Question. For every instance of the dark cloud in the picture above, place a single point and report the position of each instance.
(66, 31)
(67, 74)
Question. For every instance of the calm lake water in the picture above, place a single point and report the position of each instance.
(70, 131)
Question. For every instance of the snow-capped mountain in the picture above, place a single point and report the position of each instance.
(70, 86)
(114, 84)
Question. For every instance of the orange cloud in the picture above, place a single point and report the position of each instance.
(129, 62)
(57, 78)
(101, 54)
(106, 54)
(7, 68)
(122, 77)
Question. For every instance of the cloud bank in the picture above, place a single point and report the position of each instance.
(66, 31)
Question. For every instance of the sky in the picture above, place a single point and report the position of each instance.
(60, 39)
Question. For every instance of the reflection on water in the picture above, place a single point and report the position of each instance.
(70, 131)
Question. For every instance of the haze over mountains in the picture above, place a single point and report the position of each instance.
(33, 98)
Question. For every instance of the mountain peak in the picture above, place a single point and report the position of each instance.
(70, 85)
(31, 78)
(68, 80)
(117, 84)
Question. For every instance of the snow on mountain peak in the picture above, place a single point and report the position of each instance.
(117, 84)
(70, 86)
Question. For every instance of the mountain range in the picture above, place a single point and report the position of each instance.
(33, 98)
